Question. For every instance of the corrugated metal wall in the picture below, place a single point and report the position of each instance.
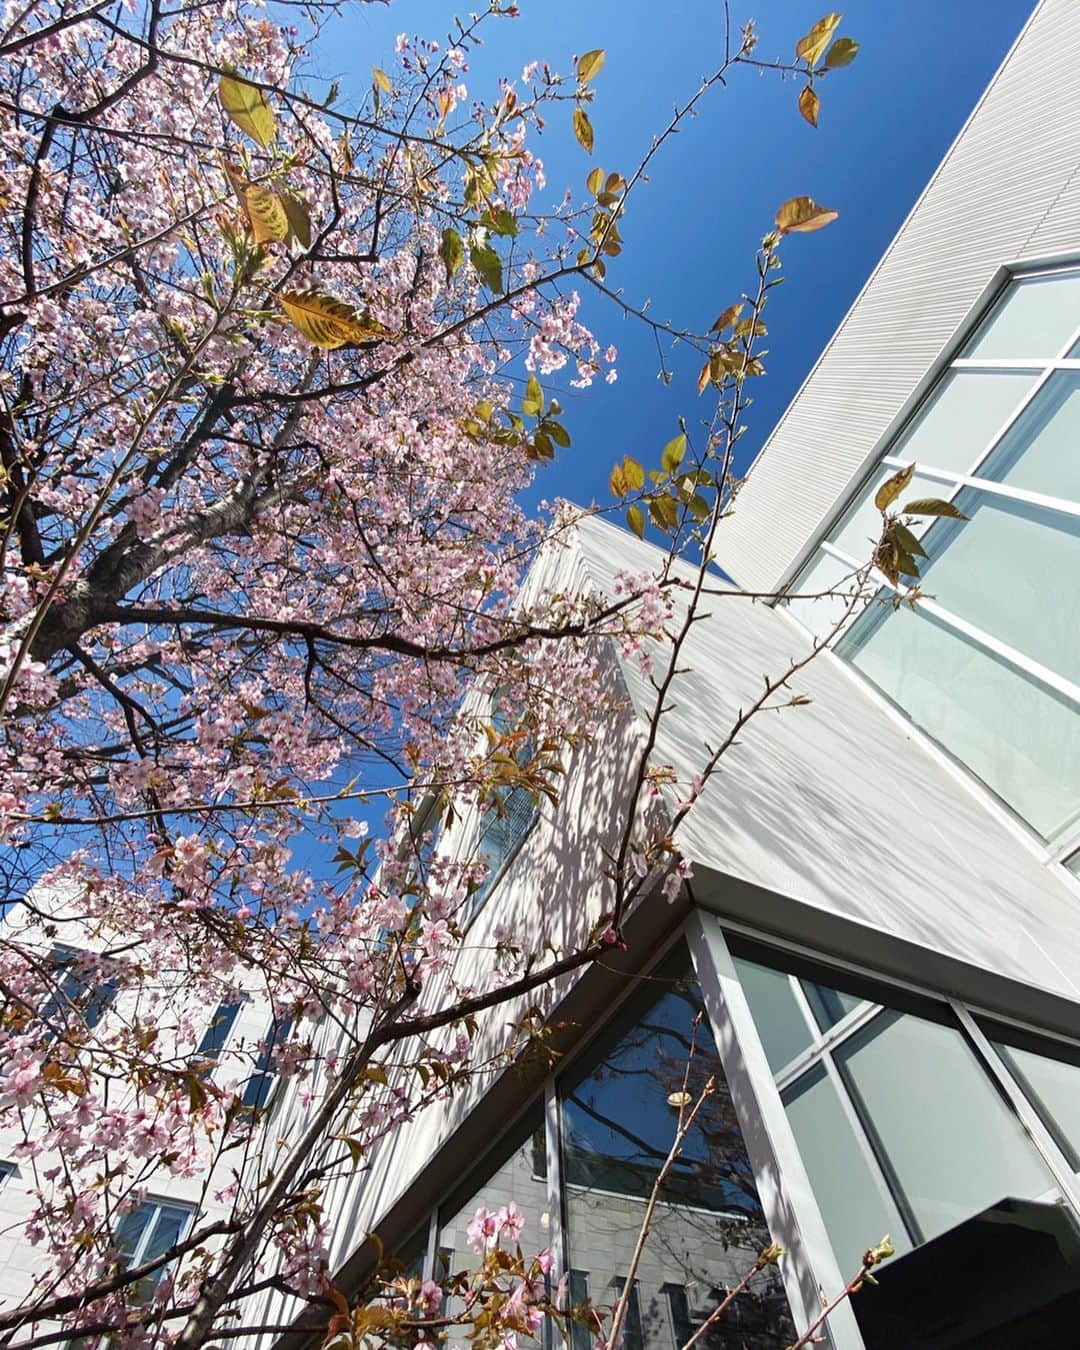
(1008, 189)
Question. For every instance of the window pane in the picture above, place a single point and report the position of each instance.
(783, 1029)
(1073, 863)
(1052, 1084)
(617, 1129)
(217, 1033)
(824, 573)
(1021, 739)
(1039, 453)
(860, 527)
(829, 1006)
(856, 1213)
(516, 1175)
(1036, 317)
(1005, 569)
(967, 408)
(951, 1144)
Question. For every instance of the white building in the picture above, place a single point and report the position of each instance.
(884, 918)
(883, 924)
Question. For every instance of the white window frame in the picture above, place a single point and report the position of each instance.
(953, 482)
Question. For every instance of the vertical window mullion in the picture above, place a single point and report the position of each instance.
(874, 1164)
(1017, 1098)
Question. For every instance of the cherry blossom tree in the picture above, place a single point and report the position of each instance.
(273, 379)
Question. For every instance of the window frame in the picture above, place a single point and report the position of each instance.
(1066, 845)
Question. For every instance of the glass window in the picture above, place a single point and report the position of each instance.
(1050, 1078)
(217, 1032)
(514, 1174)
(1020, 738)
(619, 1110)
(829, 1006)
(81, 986)
(148, 1232)
(783, 1029)
(955, 425)
(1039, 453)
(7, 1169)
(1005, 570)
(1073, 863)
(1036, 318)
(510, 812)
(945, 1136)
(257, 1088)
(848, 1188)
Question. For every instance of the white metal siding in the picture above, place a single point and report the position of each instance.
(1009, 188)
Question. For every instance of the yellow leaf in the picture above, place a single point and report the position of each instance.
(533, 403)
(265, 213)
(248, 107)
(727, 318)
(382, 80)
(299, 219)
(590, 64)
(330, 323)
(809, 104)
(704, 377)
(841, 53)
(583, 129)
(812, 47)
(892, 487)
(595, 180)
(634, 474)
(801, 215)
(635, 518)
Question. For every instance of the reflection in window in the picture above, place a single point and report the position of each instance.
(617, 1129)
(257, 1088)
(147, 1232)
(849, 1190)
(217, 1033)
(1004, 571)
(511, 1176)
(510, 812)
(1049, 1073)
(81, 986)
(945, 1136)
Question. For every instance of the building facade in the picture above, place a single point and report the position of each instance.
(883, 925)
(882, 931)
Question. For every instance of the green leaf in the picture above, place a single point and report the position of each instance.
(809, 103)
(635, 518)
(906, 540)
(557, 432)
(488, 263)
(801, 215)
(583, 129)
(589, 65)
(932, 506)
(892, 487)
(665, 512)
(451, 251)
(841, 53)
(502, 221)
(812, 46)
(672, 454)
(533, 402)
(248, 107)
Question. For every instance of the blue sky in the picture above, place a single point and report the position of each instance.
(691, 231)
